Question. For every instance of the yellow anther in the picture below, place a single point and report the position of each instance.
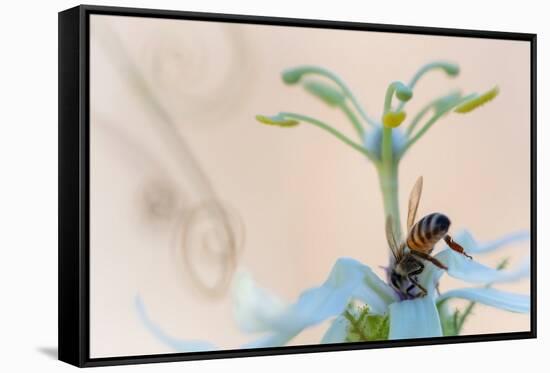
(277, 120)
(393, 119)
(476, 101)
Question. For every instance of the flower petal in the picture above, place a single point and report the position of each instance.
(492, 297)
(188, 345)
(467, 241)
(271, 340)
(337, 332)
(253, 307)
(471, 271)
(179, 345)
(347, 280)
(416, 318)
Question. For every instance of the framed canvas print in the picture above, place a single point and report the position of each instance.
(235, 186)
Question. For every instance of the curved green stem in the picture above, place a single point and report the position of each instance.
(388, 98)
(439, 104)
(388, 172)
(333, 131)
(336, 79)
(449, 68)
(353, 119)
(402, 92)
(387, 151)
(417, 118)
(421, 132)
(439, 113)
(389, 184)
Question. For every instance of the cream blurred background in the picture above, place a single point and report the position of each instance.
(297, 198)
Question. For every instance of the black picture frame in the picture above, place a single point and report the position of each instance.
(74, 201)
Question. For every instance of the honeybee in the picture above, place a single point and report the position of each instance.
(420, 242)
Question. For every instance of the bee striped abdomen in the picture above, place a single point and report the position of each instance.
(427, 231)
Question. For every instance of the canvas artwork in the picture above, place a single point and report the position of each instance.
(259, 186)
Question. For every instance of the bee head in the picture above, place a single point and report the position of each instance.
(396, 280)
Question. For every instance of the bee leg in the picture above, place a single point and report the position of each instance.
(423, 291)
(409, 291)
(455, 246)
(429, 258)
(412, 278)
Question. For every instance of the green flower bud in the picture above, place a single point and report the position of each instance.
(325, 92)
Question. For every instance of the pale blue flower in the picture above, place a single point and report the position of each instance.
(257, 311)
(414, 318)
(353, 298)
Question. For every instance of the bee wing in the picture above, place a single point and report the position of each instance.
(390, 236)
(414, 200)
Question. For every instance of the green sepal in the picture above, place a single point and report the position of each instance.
(365, 326)
(449, 320)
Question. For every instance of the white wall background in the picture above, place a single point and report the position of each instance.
(28, 191)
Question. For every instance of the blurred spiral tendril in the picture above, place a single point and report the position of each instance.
(161, 199)
(210, 239)
(211, 235)
(158, 199)
(180, 68)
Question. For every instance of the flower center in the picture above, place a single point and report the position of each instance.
(372, 141)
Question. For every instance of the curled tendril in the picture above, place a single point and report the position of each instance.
(393, 118)
(211, 239)
(451, 69)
